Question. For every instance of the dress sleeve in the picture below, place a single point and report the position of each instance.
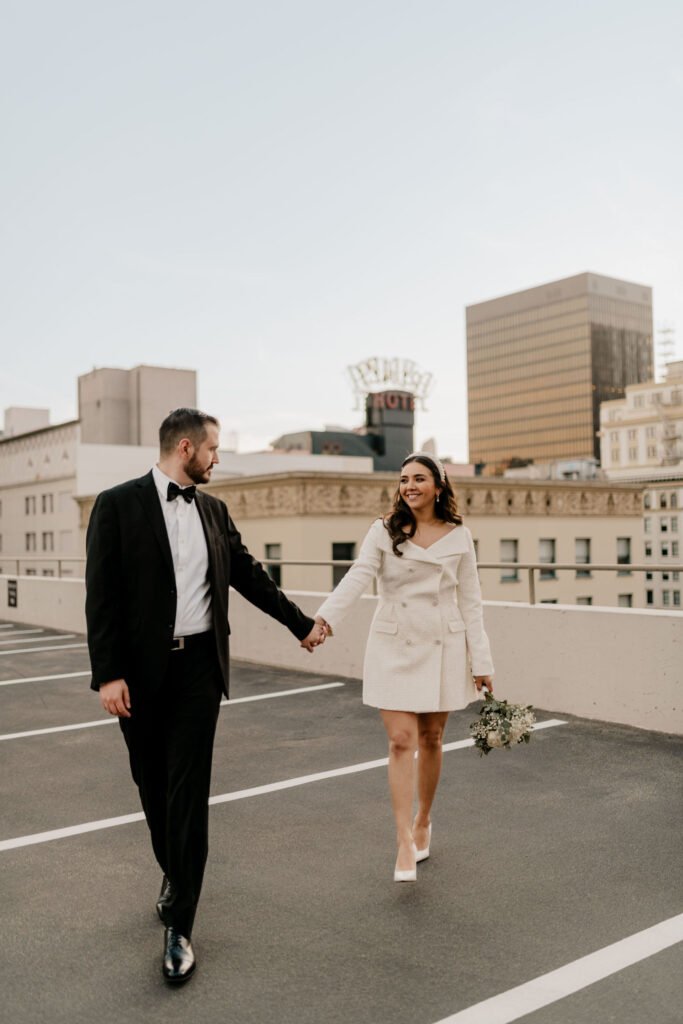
(354, 583)
(469, 602)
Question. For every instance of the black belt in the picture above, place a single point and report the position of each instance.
(182, 643)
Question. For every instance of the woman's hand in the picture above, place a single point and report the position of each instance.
(316, 636)
(486, 681)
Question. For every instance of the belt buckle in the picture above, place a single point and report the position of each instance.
(178, 643)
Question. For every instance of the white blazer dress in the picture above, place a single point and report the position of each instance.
(427, 626)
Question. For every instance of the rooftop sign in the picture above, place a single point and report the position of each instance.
(378, 373)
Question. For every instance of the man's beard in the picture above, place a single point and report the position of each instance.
(197, 471)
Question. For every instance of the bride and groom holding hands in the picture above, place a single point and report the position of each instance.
(161, 556)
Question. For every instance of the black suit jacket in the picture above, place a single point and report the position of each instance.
(131, 595)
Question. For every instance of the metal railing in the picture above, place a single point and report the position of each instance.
(582, 569)
(59, 561)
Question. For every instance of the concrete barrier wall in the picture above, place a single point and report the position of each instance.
(613, 664)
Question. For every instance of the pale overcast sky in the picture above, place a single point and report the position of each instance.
(269, 191)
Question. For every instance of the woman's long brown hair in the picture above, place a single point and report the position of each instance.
(401, 515)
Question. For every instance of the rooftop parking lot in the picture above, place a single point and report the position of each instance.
(554, 879)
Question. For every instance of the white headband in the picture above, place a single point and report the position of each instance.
(432, 458)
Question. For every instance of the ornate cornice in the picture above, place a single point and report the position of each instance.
(302, 494)
(370, 495)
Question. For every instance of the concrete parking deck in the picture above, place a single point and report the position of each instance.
(541, 857)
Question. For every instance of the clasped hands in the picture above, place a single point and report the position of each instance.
(317, 635)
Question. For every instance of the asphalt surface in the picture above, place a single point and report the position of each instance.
(540, 856)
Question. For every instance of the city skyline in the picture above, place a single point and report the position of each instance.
(270, 195)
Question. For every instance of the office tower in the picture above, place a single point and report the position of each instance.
(540, 362)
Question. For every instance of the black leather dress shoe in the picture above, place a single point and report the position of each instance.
(179, 961)
(164, 897)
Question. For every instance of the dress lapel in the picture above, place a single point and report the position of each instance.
(149, 498)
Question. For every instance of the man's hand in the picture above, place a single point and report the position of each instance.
(316, 636)
(116, 698)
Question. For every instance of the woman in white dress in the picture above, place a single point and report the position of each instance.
(428, 620)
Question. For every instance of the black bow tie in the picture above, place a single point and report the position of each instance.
(185, 492)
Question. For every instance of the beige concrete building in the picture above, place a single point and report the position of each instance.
(316, 517)
(641, 438)
(540, 361)
(641, 435)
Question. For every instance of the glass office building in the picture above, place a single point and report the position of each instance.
(540, 361)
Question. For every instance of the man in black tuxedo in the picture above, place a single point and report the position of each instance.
(161, 556)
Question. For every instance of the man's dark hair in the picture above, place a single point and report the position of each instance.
(180, 423)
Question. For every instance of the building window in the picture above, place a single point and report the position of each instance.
(662, 500)
(664, 550)
(614, 435)
(650, 432)
(615, 455)
(47, 505)
(665, 576)
(584, 600)
(674, 500)
(674, 524)
(677, 597)
(674, 549)
(331, 448)
(663, 524)
(343, 551)
(652, 451)
(666, 597)
(30, 542)
(549, 600)
(30, 504)
(646, 499)
(624, 553)
(649, 576)
(633, 454)
(31, 572)
(648, 549)
(274, 571)
(675, 575)
(638, 401)
(508, 553)
(649, 597)
(631, 435)
(582, 555)
(625, 600)
(646, 524)
(48, 541)
(48, 572)
(546, 553)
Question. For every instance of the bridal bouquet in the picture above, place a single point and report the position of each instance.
(501, 724)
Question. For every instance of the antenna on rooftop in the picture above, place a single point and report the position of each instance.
(665, 347)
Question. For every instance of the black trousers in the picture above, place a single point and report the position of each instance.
(170, 746)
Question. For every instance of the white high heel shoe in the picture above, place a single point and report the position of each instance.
(407, 876)
(423, 854)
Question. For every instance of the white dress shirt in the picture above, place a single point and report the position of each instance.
(190, 560)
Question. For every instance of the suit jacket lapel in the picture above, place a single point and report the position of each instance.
(209, 532)
(150, 502)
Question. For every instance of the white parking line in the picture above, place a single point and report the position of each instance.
(548, 988)
(111, 720)
(21, 632)
(41, 639)
(39, 650)
(240, 794)
(41, 679)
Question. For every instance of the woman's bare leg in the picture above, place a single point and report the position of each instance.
(402, 731)
(430, 727)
